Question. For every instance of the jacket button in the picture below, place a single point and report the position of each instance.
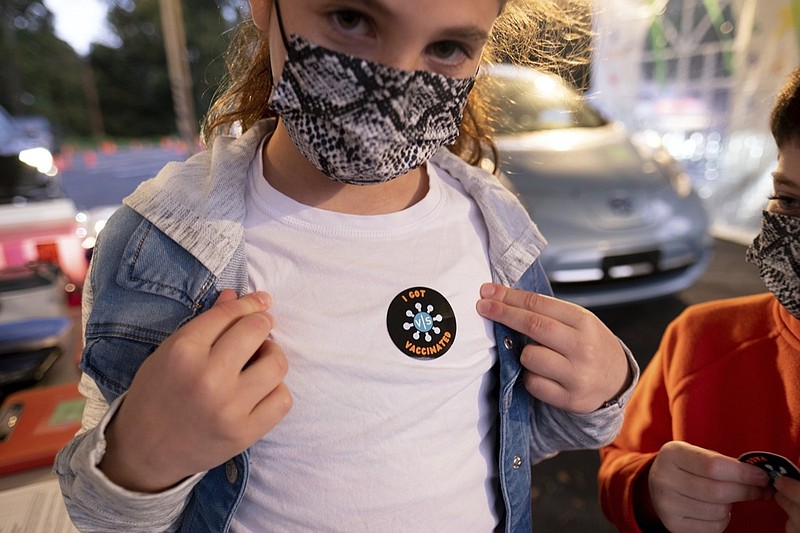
(508, 343)
(516, 463)
(231, 471)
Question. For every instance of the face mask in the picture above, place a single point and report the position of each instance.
(360, 122)
(776, 252)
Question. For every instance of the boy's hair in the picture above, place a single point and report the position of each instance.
(552, 35)
(785, 117)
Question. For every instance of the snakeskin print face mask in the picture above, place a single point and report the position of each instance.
(776, 252)
(361, 122)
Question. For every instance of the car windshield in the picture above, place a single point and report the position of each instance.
(538, 103)
(7, 126)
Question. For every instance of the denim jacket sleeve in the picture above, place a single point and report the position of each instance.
(122, 328)
(556, 430)
(531, 430)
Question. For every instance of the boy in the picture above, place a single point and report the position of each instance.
(725, 381)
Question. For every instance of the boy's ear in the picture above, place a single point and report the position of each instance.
(260, 10)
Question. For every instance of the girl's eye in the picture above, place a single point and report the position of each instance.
(348, 20)
(449, 51)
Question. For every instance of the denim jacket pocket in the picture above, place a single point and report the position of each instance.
(154, 263)
(144, 287)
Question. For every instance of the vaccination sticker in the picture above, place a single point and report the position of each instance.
(421, 323)
(773, 464)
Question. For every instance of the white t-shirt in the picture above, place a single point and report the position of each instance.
(393, 422)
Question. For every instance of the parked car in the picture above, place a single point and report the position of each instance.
(35, 323)
(622, 219)
(37, 220)
(40, 130)
(34, 290)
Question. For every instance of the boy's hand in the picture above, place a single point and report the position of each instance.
(577, 365)
(788, 497)
(211, 390)
(692, 489)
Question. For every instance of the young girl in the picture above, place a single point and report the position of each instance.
(368, 377)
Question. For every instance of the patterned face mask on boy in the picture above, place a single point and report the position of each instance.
(361, 122)
(776, 252)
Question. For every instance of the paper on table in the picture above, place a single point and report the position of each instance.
(35, 508)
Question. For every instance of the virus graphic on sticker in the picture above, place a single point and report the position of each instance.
(421, 323)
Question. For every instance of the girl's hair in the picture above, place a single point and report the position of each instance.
(552, 35)
(785, 117)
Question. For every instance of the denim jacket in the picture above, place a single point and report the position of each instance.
(164, 257)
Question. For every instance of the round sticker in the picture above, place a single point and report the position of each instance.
(421, 323)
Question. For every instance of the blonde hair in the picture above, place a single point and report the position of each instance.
(552, 35)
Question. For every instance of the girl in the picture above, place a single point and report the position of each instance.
(390, 386)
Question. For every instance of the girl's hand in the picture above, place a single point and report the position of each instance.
(211, 390)
(577, 365)
(691, 489)
(788, 497)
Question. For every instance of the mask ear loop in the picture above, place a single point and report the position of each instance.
(280, 27)
(285, 43)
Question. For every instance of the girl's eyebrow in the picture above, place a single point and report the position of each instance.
(466, 33)
(375, 5)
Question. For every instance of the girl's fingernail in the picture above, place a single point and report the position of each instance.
(488, 290)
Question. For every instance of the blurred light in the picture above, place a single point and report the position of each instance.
(628, 271)
(81, 217)
(39, 158)
(545, 84)
(648, 167)
(99, 225)
(678, 178)
(705, 192)
(651, 138)
(577, 275)
(89, 243)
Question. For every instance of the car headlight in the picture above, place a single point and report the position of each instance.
(678, 178)
(39, 158)
(650, 149)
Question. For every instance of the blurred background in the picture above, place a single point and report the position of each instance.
(701, 75)
(698, 75)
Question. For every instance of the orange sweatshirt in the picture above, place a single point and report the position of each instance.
(726, 377)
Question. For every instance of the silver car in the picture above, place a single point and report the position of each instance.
(622, 219)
